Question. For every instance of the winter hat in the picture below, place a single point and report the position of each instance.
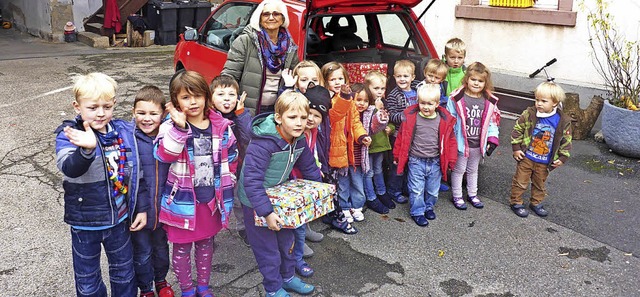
(319, 99)
(69, 27)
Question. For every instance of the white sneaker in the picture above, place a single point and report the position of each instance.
(348, 216)
(358, 216)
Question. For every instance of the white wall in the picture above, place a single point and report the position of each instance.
(520, 48)
(83, 9)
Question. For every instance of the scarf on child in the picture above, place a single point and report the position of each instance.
(274, 54)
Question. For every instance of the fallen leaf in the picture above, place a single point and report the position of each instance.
(563, 254)
(385, 217)
(440, 253)
(611, 161)
(619, 210)
(401, 220)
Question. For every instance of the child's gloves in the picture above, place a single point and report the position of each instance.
(491, 148)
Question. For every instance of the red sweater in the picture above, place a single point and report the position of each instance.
(446, 139)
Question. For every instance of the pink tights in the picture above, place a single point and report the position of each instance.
(182, 263)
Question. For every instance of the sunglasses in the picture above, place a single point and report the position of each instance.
(273, 14)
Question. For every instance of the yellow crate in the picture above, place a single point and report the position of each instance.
(512, 3)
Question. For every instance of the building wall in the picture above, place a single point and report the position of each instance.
(46, 18)
(83, 9)
(514, 50)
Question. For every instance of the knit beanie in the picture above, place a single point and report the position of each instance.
(319, 99)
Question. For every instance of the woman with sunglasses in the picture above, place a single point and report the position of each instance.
(258, 56)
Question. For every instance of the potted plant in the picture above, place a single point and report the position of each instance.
(617, 61)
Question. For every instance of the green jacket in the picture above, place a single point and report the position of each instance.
(454, 79)
(380, 141)
(522, 134)
(244, 63)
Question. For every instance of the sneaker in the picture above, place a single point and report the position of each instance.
(444, 187)
(313, 236)
(475, 201)
(401, 199)
(377, 206)
(519, 210)
(357, 214)
(420, 221)
(147, 294)
(343, 226)
(303, 269)
(164, 289)
(387, 201)
(430, 214)
(307, 252)
(458, 202)
(539, 210)
(348, 216)
(298, 286)
(204, 291)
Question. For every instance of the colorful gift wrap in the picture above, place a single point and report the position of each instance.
(357, 71)
(299, 201)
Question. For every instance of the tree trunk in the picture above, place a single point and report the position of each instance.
(582, 120)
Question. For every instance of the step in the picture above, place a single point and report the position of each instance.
(93, 28)
(93, 39)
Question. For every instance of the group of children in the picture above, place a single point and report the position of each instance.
(171, 175)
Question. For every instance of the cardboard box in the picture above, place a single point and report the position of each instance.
(357, 71)
(299, 201)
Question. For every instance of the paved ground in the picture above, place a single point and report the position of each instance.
(588, 246)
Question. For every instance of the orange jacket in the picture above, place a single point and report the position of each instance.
(346, 128)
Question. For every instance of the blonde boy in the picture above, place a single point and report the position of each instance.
(402, 96)
(97, 156)
(455, 51)
(541, 141)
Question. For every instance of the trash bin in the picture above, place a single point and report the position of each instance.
(203, 10)
(163, 18)
(166, 37)
(186, 14)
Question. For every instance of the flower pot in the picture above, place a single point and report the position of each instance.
(621, 129)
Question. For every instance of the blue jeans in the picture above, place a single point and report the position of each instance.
(424, 183)
(351, 189)
(87, 245)
(298, 246)
(150, 257)
(374, 179)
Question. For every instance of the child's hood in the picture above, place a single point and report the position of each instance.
(264, 125)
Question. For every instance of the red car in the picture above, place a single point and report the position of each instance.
(325, 30)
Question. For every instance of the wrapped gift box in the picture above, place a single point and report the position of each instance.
(299, 201)
(357, 71)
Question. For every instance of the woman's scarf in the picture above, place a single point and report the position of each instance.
(274, 54)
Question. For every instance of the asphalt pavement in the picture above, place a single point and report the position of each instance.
(588, 245)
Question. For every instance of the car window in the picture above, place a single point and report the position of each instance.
(360, 22)
(226, 24)
(393, 30)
